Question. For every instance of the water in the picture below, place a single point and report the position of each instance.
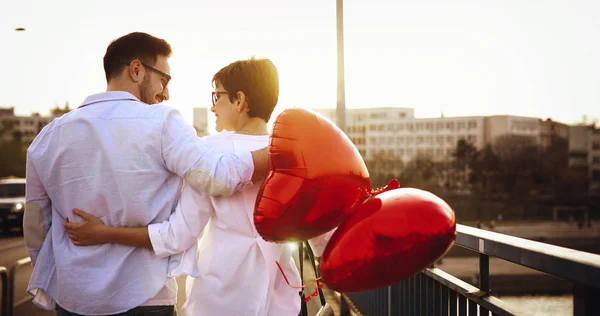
(538, 305)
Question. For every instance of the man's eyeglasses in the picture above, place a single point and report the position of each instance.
(216, 95)
(167, 76)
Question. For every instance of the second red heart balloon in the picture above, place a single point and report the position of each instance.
(390, 237)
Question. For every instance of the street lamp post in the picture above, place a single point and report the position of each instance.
(341, 88)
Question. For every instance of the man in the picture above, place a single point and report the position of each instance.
(126, 160)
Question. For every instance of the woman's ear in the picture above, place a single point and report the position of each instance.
(242, 104)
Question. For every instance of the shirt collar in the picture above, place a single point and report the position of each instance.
(108, 96)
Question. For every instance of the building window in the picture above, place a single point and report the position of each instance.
(381, 140)
(373, 140)
(429, 126)
(461, 124)
(380, 127)
(596, 145)
(400, 140)
(429, 140)
(472, 139)
(419, 139)
(472, 124)
(450, 125)
(596, 175)
(440, 139)
(439, 152)
(450, 140)
(410, 127)
(419, 127)
(439, 125)
(596, 160)
(390, 140)
(372, 127)
(402, 114)
(409, 140)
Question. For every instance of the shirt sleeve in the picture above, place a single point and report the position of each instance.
(196, 161)
(37, 217)
(184, 226)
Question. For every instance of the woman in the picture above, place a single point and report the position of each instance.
(235, 272)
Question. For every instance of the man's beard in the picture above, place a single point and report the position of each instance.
(145, 91)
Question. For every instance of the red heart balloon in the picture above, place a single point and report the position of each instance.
(392, 236)
(317, 178)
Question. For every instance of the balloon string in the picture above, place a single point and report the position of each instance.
(313, 294)
(295, 286)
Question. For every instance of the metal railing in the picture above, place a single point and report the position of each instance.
(4, 276)
(10, 309)
(435, 292)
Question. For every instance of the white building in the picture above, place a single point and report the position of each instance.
(584, 153)
(23, 128)
(397, 132)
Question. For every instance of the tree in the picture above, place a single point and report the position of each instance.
(13, 155)
(465, 155)
(58, 111)
(423, 173)
(382, 168)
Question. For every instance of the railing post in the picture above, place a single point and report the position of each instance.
(344, 308)
(11, 286)
(4, 276)
(484, 272)
(585, 300)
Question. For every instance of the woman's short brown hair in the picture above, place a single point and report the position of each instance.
(257, 78)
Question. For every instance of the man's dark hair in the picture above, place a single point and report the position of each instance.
(257, 78)
(137, 45)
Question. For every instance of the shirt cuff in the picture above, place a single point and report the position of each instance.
(33, 254)
(156, 239)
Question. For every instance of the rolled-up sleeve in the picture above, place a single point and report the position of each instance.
(37, 217)
(184, 226)
(196, 161)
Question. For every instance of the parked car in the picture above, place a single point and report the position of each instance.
(12, 204)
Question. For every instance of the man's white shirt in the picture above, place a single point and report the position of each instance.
(122, 161)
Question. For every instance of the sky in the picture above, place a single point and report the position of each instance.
(535, 58)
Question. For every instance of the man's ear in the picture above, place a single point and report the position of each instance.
(136, 71)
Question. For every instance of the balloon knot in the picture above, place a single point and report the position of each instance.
(393, 184)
